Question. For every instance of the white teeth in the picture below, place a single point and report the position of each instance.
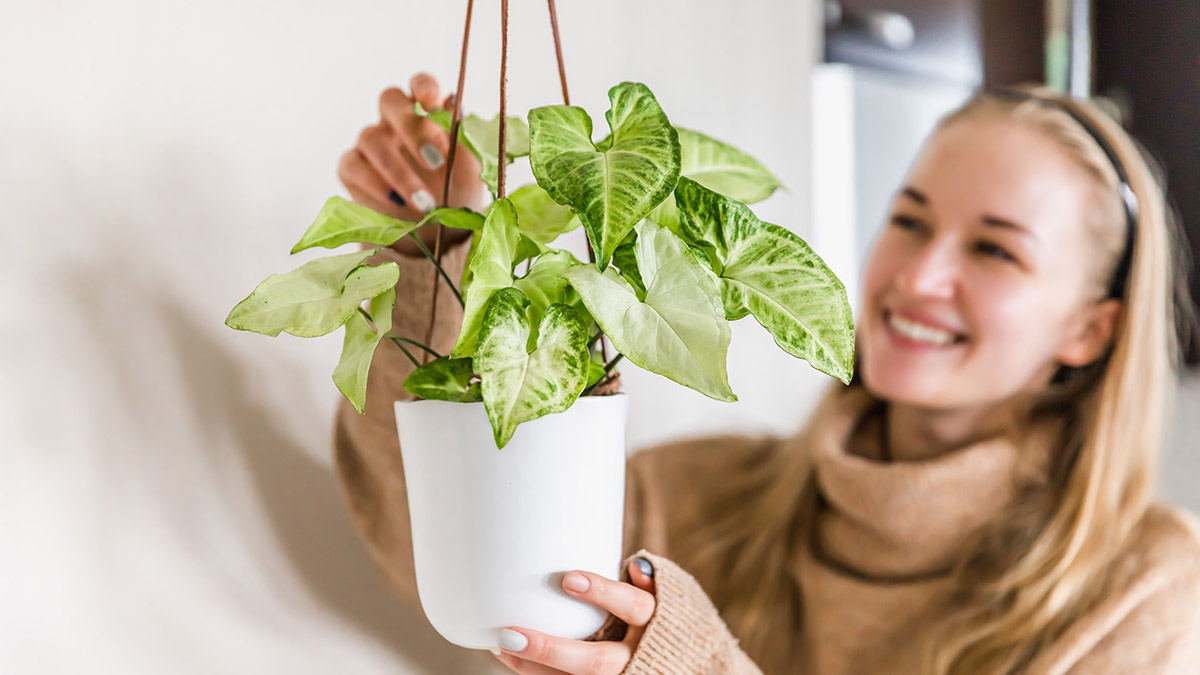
(919, 331)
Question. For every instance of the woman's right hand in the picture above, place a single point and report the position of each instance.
(398, 166)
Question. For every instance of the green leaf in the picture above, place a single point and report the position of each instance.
(625, 259)
(771, 273)
(519, 385)
(541, 218)
(679, 330)
(595, 372)
(489, 269)
(725, 169)
(343, 222)
(315, 298)
(609, 189)
(444, 379)
(544, 285)
(482, 138)
(358, 347)
(460, 218)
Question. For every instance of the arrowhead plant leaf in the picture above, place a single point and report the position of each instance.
(769, 272)
(541, 218)
(343, 222)
(314, 299)
(679, 329)
(444, 379)
(724, 169)
(613, 187)
(358, 347)
(489, 269)
(521, 385)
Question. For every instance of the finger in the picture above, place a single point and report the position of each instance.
(425, 89)
(520, 665)
(641, 574)
(572, 656)
(628, 603)
(381, 149)
(423, 137)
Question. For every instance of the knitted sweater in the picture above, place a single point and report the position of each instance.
(874, 572)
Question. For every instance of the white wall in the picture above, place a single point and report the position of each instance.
(168, 504)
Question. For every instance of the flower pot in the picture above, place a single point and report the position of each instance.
(494, 530)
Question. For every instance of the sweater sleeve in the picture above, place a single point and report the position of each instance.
(686, 635)
(366, 446)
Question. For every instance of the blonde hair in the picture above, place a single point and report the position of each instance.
(1032, 571)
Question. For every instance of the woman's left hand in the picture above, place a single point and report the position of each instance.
(544, 654)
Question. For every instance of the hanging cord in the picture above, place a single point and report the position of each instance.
(562, 72)
(455, 120)
(502, 120)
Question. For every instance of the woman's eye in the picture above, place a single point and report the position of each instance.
(993, 251)
(908, 223)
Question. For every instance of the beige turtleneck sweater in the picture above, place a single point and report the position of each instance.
(871, 578)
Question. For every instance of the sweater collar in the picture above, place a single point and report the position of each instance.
(898, 521)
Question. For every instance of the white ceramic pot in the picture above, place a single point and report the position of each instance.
(494, 530)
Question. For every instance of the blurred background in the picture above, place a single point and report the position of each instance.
(167, 497)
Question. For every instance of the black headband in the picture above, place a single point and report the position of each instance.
(1128, 198)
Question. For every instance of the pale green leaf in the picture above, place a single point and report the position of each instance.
(444, 379)
(773, 274)
(679, 330)
(724, 169)
(519, 385)
(609, 189)
(343, 222)
(482, 138)
(314, 299)
(541, 218)
(489, 269)
(544, 285)
(358, 347)
(460, 218)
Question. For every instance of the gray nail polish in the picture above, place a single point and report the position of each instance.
(433, 157)
(423, 201)
(647, 568)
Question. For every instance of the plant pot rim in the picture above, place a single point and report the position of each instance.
(427, 402)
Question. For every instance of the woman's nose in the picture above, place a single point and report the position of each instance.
(933, 272)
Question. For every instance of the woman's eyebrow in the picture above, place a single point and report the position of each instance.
(1008, 225)
(912, 193)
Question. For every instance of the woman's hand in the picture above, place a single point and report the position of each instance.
(398, 166)
(543, 654)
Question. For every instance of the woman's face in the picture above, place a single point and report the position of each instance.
(981, 282)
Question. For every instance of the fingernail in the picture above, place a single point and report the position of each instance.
(433, 157)
(450, 101)
(576, 582)
(423, 201)
(512, 640)
(647, 568)
(397, 199)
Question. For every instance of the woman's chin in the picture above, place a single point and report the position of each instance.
(921, 389)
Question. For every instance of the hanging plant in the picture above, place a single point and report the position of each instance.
(678, 255)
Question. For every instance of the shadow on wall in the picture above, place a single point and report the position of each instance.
(183, 366)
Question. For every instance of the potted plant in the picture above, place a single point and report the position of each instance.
(514, 467)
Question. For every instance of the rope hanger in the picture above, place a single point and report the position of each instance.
(502, 120)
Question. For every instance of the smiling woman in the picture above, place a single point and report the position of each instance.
(976, 500)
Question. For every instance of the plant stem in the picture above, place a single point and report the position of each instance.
(605, 378)
(433, 259)
(407, 353)
(414, 343)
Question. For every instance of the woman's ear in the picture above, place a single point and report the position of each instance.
(1091, 334)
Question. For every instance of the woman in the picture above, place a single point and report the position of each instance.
(978, 500)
